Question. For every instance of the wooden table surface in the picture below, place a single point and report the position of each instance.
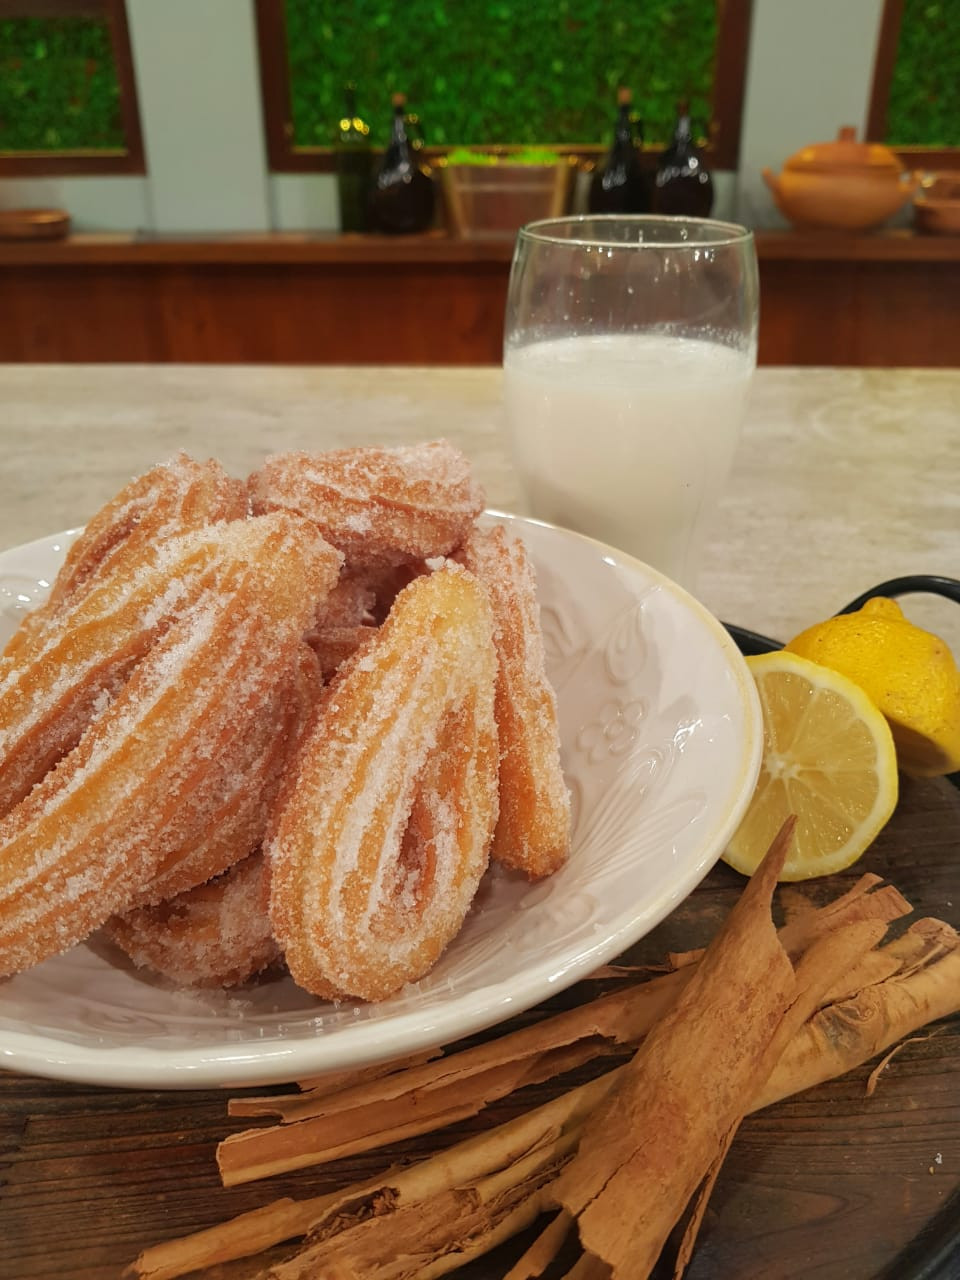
(844, 478)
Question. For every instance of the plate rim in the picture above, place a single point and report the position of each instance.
(257, 1065)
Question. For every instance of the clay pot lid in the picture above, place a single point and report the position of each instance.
(846, 155)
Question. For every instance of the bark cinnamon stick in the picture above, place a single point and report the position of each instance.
(656, 1135)
(321, 1126)
(913, 978)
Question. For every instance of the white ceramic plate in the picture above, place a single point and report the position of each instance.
(661, 739)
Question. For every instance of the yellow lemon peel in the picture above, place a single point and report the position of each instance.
(909, 673)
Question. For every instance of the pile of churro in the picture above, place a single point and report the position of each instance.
(286, 720)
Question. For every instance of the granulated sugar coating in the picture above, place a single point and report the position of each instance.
(240, 788)
(334, 645)
(162, 717)
(51, 687)
(379, 506)
(171, 499)
(349, 604)
(384, 834)
(533, 831)
(217, 934)
(97, 827)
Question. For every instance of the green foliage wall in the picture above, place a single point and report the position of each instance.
(58, 86)
(924, 107)
(476, 71)
(499, 71)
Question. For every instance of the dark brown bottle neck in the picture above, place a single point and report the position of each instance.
(399, 127)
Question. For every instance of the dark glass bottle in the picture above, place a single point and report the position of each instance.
(683, 185)
(354, 159)
(402, 197)
(621, 186)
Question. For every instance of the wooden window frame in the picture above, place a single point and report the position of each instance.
(883, 67)
(131, 160)
(723, 150)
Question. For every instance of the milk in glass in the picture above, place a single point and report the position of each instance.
(628, 437)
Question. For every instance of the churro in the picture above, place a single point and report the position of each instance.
(97, 827)
(215, 935)
(384, 833)
(380, 507)
(533, 830)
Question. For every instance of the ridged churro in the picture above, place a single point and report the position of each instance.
(172, 498)
(99, 824)
(384, 834)
(533, 830)
(380, 507)
(216, 935)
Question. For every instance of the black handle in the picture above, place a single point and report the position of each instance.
(935, 1253)
(750, 643)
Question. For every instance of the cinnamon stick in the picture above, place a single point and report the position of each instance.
(334, 1081)
(543, 1251)
(321, 1126)
(439, 1234)
(667, 1125)
(656, 1135)
(426, 1097)
(558, 1121)
(554, 1129)
(841, 1036)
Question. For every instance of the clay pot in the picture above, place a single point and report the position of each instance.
(844, 185)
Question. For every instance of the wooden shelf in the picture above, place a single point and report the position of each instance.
(876, 300)
(331, 248)
(845, 246)
(286, 248)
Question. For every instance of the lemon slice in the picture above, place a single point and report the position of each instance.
(828, 757)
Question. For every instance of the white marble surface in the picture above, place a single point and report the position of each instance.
(844, 477)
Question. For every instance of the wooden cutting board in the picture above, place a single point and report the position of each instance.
(831, 1185)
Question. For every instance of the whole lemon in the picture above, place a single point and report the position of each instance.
(909, 673)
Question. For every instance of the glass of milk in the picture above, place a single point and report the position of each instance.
(629, 348)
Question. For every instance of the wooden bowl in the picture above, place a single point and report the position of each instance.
(936, 206)
(34, 224)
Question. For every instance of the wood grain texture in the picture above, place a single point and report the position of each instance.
(261, 314)
(874, 301)
(830, 1185)
(884, 63)
(872, 314)
(309, 248)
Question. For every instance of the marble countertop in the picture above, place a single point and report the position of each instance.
(843, 478)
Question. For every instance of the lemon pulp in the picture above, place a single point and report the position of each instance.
(828, 757)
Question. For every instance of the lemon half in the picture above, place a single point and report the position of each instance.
(828, 757)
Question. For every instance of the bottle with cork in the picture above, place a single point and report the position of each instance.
(620, 184)
(403, 196)
(683, 184)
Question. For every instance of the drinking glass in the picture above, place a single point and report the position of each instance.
(629, 348)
